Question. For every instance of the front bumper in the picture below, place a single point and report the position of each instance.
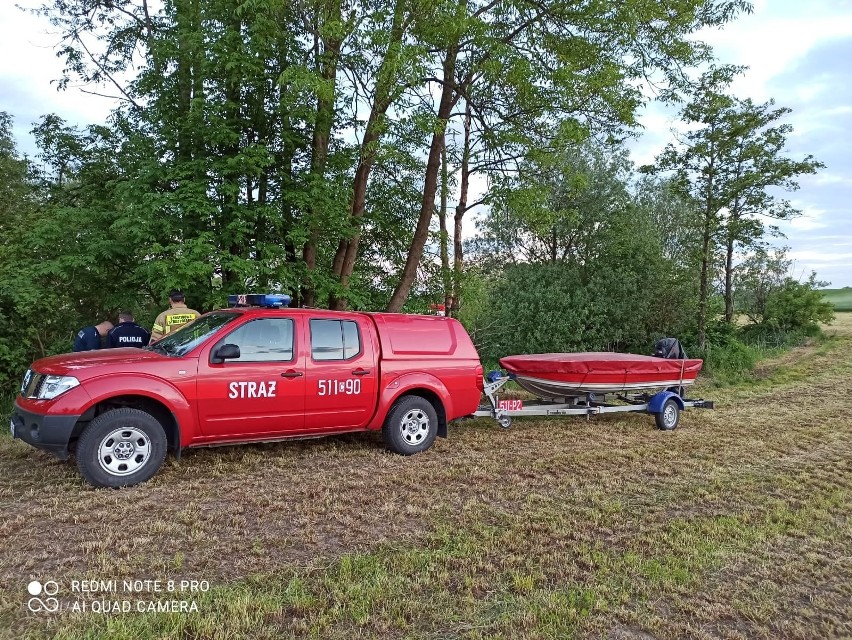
(50, 433)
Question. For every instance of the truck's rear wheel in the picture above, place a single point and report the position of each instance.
(121, 447)
(411, 425)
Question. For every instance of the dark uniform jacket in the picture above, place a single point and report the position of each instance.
(87, 339)
(128, 334)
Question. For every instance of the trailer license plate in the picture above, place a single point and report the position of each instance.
(510, 405)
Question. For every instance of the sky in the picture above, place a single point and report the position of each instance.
(798, 52)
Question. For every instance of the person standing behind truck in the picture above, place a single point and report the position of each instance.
(89, 338)
(173, 318)
(128, 333)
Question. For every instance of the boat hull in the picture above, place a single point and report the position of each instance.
(561, 375)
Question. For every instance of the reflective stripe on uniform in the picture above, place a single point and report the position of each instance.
(157, 327)
(179, 318)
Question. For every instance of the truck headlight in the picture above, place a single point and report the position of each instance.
(53, 386)
(27, 377)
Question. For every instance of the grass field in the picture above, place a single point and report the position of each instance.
(840, 298)
(735, 525)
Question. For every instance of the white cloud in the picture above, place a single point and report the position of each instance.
(826, 178)
(29, 68)
(810, 219)
(774, 37)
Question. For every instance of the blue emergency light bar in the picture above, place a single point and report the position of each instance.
(269, 300)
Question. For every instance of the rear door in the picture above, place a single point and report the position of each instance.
(341, 372)
(263, 391)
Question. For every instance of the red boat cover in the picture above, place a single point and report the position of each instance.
(601, 363)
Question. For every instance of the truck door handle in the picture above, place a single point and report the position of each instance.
(292, 374)
(360, 372)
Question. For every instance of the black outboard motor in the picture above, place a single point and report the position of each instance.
(670, 349)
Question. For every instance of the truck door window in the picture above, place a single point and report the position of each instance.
(335, 339)
(263, 340)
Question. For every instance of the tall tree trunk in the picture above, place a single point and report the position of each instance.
(461, 209)
(430, 185)
(730, 241)
(386, 90)
(710, 212)
(729, 277)
(347, 249)
(231, 178)
(184, 63)
(327, 63)
(446, 275)
(704, 283)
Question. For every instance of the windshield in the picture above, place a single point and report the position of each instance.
(190, 336)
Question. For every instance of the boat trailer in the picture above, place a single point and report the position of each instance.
(665, 406)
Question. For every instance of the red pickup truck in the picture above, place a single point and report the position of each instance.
(249, 375)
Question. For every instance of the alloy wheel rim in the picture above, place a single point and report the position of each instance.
(124, 451)
(414, 426)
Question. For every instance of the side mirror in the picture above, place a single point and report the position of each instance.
(226, 352)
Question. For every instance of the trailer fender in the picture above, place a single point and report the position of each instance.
(658, 401)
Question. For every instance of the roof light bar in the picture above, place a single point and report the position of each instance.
(268, 300)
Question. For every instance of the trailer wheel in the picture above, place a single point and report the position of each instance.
(120, 448)
(411, 425)
(505, 422)
(668, 418)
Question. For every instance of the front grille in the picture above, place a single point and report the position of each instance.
(33, 385)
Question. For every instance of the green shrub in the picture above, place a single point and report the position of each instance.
(797, 306)
(731, 362)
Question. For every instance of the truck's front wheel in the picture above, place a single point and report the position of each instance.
(121, 447)
(411, 425)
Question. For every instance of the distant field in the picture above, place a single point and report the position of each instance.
(840, 298)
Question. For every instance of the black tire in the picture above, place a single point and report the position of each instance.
(411, 425)
(121, 448)
(669, 417)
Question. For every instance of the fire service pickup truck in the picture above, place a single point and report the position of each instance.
(250, 374)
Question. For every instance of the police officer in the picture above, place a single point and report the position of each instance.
(89, 338)
(177, 315)
(128, 333)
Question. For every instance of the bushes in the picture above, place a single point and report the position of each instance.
(561, 307)
(797, 306)
(731, 362)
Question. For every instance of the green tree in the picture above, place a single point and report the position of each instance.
(270, 127)
(773, 299)
(698, 162)
(729, 162)
(579, 238)
(757, 277)
(756, 165)
(798, 305)
(19, 206)
(522, 66)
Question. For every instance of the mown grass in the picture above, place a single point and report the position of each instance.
(840, 298)
(735, 525)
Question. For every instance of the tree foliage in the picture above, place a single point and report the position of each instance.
(585, 262)
(729, 161)
(308, 147)
(772, 299)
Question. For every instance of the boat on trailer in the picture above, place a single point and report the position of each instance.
(570, 384)
(567, 375)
